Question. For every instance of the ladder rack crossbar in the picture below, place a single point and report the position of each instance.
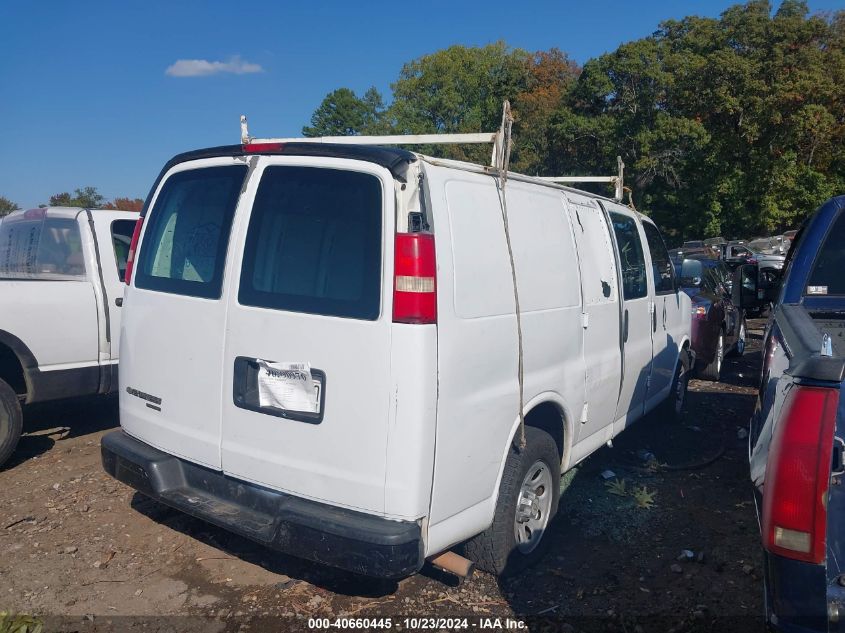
(395, 139)
(579, 178)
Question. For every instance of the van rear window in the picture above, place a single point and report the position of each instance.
(827, 277)
(184, 245)
(314, 243)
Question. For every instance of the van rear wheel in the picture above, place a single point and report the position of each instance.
(527, 503)
(11, 421)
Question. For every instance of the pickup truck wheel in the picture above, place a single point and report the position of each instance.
(673, 406)
(714, 370)
(739, 348)
(528, 500)
(11, 421)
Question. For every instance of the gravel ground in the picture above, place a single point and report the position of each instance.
(85, 553)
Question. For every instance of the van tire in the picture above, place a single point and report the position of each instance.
(673, 405)
(713, 371)
(11, 421)
(496, 549)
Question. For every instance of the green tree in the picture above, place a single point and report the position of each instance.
(86, 197)
(343, 113)
(7, 206)
(727, 126)
(458, 89)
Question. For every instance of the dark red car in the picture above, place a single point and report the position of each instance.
(718, 325)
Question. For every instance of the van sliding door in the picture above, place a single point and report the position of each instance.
(599, 289)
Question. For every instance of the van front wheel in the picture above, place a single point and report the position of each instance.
(527, 503)
(11, 421)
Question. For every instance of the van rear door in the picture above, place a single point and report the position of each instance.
(307, 351)
(171, 351)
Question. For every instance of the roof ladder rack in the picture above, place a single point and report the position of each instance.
(478, 138)
(617, 180)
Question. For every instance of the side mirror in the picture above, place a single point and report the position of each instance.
(745, 287)
(770, 279)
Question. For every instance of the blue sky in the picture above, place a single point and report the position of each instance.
(86, 99)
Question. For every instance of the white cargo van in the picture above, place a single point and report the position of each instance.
(320, 349)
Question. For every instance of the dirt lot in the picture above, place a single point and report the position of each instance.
(86, 553)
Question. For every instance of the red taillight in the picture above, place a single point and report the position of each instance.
(414, 289)
(258, 148)
(751, 260)
(798, 475)
(133, 247)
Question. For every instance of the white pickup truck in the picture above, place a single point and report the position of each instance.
(61, 288)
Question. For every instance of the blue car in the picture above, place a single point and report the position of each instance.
(797, 433)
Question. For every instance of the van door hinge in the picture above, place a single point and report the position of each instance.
(585, 320)
(584, 413)
(648, 382)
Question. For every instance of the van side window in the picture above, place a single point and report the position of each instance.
(121, 237)
(664, 276)
(631, 257)
(41, 248)
(314, 243)
(184, 246)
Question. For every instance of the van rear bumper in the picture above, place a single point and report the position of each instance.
(338, 537)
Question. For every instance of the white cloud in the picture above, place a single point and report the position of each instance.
(203, 67)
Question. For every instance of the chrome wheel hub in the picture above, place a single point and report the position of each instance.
(720, 352)
(533, 507)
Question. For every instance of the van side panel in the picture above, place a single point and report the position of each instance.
(478, 392)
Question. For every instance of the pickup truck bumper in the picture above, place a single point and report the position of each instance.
(338, 537)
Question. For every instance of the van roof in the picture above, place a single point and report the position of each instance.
(394, 159)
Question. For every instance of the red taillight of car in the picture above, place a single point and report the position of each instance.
(798, 475)
(133, 247)
(414, 288)
(259, 148)
(699, 313)
(751, 260)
